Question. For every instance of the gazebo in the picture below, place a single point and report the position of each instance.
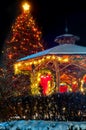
(59, 69)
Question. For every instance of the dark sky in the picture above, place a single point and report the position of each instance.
(51, 16)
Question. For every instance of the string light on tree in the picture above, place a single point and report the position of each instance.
(25, 38)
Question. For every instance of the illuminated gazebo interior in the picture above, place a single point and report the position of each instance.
(58, 69)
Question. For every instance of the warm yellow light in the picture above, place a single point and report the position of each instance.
(48, 57)
(27, 63)
(35, 62)
(16, 68)
(19, 64)
(70, 89)
(26, 6)
(66, 60)
(38, 79)
(53, 57)
(30, 63)
(39, 61)
(82, 90)
(36, 84)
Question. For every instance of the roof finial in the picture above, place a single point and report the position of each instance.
(66, 27)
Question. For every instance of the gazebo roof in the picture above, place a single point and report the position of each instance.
(60, 49)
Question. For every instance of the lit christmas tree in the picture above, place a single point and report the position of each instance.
(24, 39)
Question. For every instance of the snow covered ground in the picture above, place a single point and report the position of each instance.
(41, 125)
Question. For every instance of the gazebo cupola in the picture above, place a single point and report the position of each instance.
(66, 38)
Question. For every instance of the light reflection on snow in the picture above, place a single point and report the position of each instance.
(41, 125)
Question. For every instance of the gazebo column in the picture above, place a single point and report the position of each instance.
(56, 65)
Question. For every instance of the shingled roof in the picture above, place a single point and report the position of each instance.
(60, 49)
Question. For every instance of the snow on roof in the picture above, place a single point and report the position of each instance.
(68, 35)
(70, 38)
(60, 49)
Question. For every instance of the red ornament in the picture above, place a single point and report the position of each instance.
(84, 78)
(44, 83)
(74, 87)
(63, 89)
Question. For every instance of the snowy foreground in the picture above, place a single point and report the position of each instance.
(42, 125)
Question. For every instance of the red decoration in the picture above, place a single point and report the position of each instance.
(74, 87)
(44, 83)
(63, 89)
(84, 78)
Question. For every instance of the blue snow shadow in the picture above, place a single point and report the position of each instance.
(41, 125)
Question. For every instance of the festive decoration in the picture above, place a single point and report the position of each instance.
(42, 82)
(25, 38)
(75, 86)
(26, 6)
(68, 69)
(63, 89)
(84, 78)
(25, 64)
(83, 84)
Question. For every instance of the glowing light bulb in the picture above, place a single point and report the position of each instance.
(26, 6)
(66, 60)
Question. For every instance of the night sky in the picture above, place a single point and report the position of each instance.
(51, 17)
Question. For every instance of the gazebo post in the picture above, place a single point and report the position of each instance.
(56, 65)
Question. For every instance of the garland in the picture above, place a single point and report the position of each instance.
(36, 84)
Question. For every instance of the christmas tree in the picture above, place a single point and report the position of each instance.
(24, 39)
